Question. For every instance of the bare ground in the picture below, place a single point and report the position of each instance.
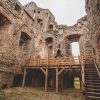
(29, 93)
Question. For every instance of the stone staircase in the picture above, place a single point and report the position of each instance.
(92, 82)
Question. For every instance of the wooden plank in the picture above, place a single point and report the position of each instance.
(23, 84)
(61, 71)
(43, 70)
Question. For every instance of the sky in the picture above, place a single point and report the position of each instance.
(66, 12)
(75, 49)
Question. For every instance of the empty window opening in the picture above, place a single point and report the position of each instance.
(51, 27)
(75, 49)
(98, 6)
(17, 8)
(39, 20)
(2, 21)
(39, 12)
(49, 40)
(41, 24)
(34, 15)
(94, 52)
(49, 43)
(59, 46)
(24, 38)
(59, 53)
(49, 18)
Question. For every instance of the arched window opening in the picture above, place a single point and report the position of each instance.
(24, 39)
(50, 27)
(49, 40)
(49, 43)
(3, 20)
(17, 8)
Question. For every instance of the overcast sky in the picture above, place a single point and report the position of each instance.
(65, 11)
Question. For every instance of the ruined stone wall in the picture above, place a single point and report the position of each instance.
(13, 55)
(30, 32)
(76, 33)
(93, 14)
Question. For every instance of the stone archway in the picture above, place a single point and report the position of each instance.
(49, 44)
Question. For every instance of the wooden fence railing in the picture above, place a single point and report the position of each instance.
(69, 60)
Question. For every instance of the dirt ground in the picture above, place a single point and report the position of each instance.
(29, 93)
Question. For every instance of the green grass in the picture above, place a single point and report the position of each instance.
(77, 83)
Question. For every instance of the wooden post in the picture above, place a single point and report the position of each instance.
(33, 80)
(62, 81)
(46, 79)
(56, 80)
(23, 84)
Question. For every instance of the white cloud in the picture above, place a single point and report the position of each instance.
(65, 11)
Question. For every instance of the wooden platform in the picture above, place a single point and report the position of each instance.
(68, 62)
(59, 64)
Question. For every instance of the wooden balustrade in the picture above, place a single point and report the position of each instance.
(64, 61)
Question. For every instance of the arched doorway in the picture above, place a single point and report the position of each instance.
(49, 44)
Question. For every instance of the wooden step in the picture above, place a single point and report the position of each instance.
(93, 86)
(93, 80)
(92, 90)
(92, 83)
(92, 75)
(93, 94)
(93, 97)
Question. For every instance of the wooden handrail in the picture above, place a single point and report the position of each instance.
(69, 60)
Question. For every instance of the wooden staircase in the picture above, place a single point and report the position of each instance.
(92, 82)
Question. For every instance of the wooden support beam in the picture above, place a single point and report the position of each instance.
(61, 71)
(46, 79)
(56, 80)
(43, 70)
(62, 80)
(23, 84)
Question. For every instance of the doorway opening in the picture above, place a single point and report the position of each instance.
(75, 48)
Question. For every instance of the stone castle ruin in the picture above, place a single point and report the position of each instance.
(28, 33)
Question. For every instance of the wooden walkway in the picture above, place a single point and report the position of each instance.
(59, 64)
